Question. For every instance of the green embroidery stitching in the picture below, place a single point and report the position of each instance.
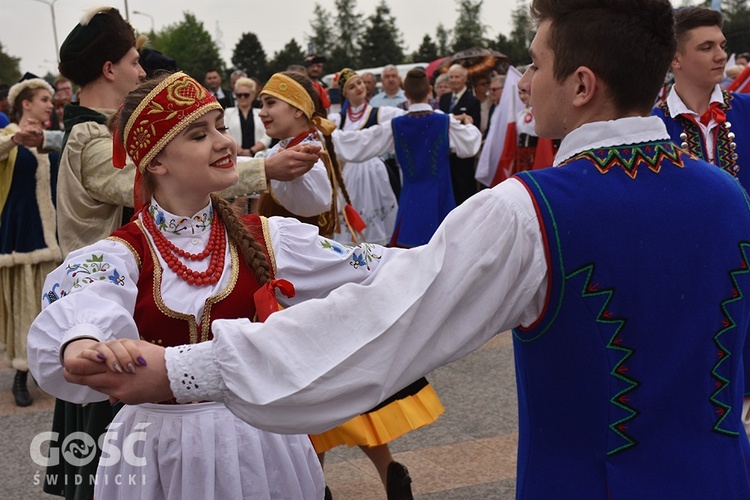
(619, 371)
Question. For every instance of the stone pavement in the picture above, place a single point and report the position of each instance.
(469, 453)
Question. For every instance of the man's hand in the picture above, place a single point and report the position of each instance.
(290, 163)
(149, 382)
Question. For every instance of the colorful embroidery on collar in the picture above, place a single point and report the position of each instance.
(630, 157)
(310, 137)
(692, 139)
(169, 223)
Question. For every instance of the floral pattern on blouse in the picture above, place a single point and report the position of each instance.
(53, 295)
(92, 270)
(169, 223)
(361, 255)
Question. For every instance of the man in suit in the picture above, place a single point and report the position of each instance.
(461, 102)
(212, 82)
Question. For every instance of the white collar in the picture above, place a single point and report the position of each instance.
(311, 136)
(606, 134)
(419, 107)
(677, 107)
(177, 224)
(460, 93)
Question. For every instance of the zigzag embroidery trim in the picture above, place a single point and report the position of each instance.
(620, 370)
(630, 158)
(723, 354)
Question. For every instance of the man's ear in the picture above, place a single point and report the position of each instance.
(676, 61)
(108, 70)
(585, 85)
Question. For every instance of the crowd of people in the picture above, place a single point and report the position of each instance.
(153, 227)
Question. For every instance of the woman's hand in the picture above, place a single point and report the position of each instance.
(148, 383)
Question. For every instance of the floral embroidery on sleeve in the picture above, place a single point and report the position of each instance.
(333, 245)
(364, 258)
(52, 295)
(94, 269)
(361, 255)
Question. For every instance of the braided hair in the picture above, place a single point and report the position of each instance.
(251, 250)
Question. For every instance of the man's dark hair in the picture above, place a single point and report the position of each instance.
(212, 70)
(689, 18)
(416, 85)
(629, 44)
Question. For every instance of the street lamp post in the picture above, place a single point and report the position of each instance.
(147, 15)
(51, 4)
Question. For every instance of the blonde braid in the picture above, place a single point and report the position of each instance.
(252, 251)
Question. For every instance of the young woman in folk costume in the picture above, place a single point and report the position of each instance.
(28, 244)
(292, 112)
(185, 260)
(367, 181)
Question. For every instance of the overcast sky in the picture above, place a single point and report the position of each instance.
(26, 25)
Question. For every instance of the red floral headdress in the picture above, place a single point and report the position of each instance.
(165, 112)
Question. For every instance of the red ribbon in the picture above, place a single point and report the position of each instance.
(265, 297)
(353, 218)
(714, 112)
(118, 148)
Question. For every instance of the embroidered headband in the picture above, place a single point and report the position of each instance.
(293, 93)
(165, 112)
(344, 76)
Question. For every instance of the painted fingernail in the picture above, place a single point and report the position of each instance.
(131, 367)
(101, 356)
(141, 361)
(117, 367)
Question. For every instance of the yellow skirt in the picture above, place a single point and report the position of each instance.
(385, 423)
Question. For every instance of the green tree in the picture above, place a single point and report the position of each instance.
(442, 37)
(426, 52)
(323, 35)
(469, 30)
(345, 50)
(290, 54)
(381, 42)
(191, 46)
(523, 28)
(250, 57)
(517, 54)
(10, 71)
(737, 25)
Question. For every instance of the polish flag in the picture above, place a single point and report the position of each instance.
(741, 84)
(501, 140)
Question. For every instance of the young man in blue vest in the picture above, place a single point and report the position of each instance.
(628, 353)
(701, 118)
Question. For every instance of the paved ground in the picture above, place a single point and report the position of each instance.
(469, 453)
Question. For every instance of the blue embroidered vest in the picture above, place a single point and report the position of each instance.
(630, 383)
(737, 109)
(422, 150)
